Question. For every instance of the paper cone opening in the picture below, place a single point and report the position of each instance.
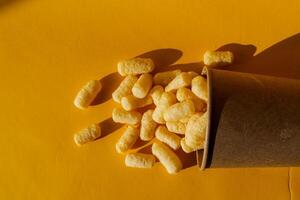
(254, 121)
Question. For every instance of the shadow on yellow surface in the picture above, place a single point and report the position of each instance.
(282, 59)
(108, 126)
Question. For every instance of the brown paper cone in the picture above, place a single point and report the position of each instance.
(254, 121)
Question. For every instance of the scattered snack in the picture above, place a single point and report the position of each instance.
(122, 116)
(166, 100)
(88, 134)
(135, 66)
(185, 147)
(176, 114)
(130, 102)
(87, 94)
(124, 88)
(167, 137)
(196, 130)
(167, 157)
(199, 87)
(139, 160)
(179, 111)
(218, 58)
(148, 126)
(142, 86)
(176, 127)
(128, 139)
(183, 94)
(164, 78)
(156, 93)
(182, 80)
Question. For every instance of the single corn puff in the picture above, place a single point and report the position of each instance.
(139, 160)
(142, 86)
(87, 94)
(218, 58)
(120, 115)
(128, 139)
(199, 87)
(165, 136)
(148, 126)
(135, 66)
(179, 111)
(164, 78)
(182, 80)
(176, 127)
(167, 157)
(88, 134)
(156, 93)
(196, 130)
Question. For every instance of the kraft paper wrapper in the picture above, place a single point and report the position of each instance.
(254, 121)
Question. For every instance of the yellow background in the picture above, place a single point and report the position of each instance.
(50, 48)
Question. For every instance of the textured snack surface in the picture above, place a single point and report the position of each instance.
(148, 126)
(139, 160)
(179, 111)
(176, 127)
(88, 134)
(167, 157)
(87, 94)
(142, 86)
(164, 78)
(128, 139)
(130, 102)
(199, 87)
(218, 58)
(122, 116)
(124, 88)
(135, 66)
(167, 137)
(182, 80)
(196, 130)
(183, 94)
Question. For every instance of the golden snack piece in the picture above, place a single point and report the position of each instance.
(156, 93)
(139, 160)
(183, 94)
(87, 94)
(196, 130)
(182, 80)
(218, 58)
(186, 148)
(185, 120)
(164, 78)
(88, 134)
(142, 86)
(122, 116)
(166, 100)
(124, 88)
(179, 111)
(148, 126)
(176, 127)
(130, 102)
(135, 66)
(128, 139)
(167, 137)
(167, 157)
(199, 87)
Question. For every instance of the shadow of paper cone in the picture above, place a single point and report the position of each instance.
(254, 121)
